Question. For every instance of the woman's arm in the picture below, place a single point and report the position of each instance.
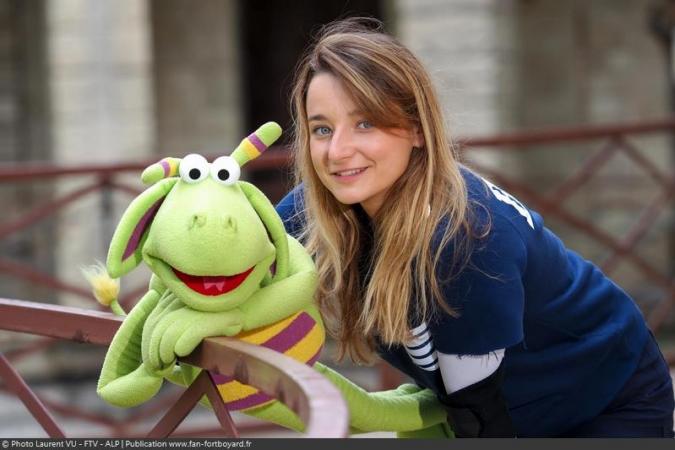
(475, 403)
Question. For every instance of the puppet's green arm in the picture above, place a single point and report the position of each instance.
(297, 289)
(395, 410)
(408, 410)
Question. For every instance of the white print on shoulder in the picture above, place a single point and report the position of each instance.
(460, 371)
(505, 197)
(421, 349)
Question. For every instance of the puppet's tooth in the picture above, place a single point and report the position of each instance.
(219, 285)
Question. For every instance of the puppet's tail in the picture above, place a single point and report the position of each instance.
(106, 289)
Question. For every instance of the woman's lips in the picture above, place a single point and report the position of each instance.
(212, 285)
(350, 174)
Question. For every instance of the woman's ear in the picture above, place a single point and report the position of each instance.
(417, 137)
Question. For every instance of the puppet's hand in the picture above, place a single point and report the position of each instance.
(180, 332)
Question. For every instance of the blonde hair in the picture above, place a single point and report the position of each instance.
(389, 85)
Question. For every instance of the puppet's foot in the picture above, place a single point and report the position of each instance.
(132, 389)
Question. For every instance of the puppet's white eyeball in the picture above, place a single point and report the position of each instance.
(225, 170)
(194, 168)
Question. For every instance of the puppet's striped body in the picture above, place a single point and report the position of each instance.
(298, 336)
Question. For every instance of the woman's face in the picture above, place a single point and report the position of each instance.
(356, 161)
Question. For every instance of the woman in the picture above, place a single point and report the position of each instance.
(446, 276)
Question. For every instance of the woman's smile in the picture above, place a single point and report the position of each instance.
(355, 159)
(349, 174)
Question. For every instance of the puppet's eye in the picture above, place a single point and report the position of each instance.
(225, 170)
(194, 168)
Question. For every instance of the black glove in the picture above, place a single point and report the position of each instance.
(480, 410)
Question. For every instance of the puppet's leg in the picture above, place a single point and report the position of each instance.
(124, 380)
(133, 388)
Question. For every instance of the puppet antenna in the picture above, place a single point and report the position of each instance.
(256, 143)
(167, 167)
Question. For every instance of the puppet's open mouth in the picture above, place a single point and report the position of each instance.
(210, 285)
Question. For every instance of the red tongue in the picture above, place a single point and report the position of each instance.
(212, 285)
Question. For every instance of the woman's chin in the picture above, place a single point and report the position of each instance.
(349, 200)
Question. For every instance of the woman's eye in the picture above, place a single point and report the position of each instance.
(321, 131)
(364, 124)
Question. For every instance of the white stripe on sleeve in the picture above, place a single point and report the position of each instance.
(460, 371)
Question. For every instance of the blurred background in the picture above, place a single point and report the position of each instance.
(566, 104)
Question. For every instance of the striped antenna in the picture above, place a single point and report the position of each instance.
(167, 167)
(256, 143)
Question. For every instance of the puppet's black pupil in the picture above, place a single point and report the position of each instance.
(194, 174)
(223, 174)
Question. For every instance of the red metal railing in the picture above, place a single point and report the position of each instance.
(313, 398)
(604, 144)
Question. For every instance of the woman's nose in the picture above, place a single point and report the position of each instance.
(341, 146)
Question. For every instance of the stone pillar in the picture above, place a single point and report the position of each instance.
(100, 64)
(466, 45)
(24, 137)
(197, 76)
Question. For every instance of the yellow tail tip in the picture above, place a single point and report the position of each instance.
(105, 289)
